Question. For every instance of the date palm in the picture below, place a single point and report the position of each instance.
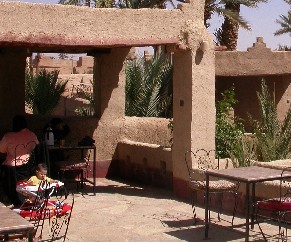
(89, 3)
(76, 2)
(285, 22)
(148, 89)
(136, 4)
(218, 7)
(43, 91)
(230, 26)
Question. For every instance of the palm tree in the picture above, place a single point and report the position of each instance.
(76, 2)
(228, 34)
(285, 22)
(148, 89)
(136, 4)
(230, 26)
(43, 91)
(215, 6)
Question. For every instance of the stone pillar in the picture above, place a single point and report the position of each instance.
(109, 83)
(109, 93)
(12, 92)
(193, 100)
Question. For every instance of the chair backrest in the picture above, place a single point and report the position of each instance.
(205, 160)
(200, 161)
(59, 223)
(188, 154)
(52, 209)
(24, 158)
(285, 185)
(22, 152)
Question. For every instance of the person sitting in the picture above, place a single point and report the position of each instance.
(40, 175)
(59, 129)
(10, 145)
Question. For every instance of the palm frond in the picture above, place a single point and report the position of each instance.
(148, 87)
(236, 18)
(272, 136)
(285, 22)
(43, 91)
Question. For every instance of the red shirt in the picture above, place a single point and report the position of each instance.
(18, 144)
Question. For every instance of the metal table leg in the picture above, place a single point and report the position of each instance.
(207, 208)
(94, 171)
(247, 211)
(253, 204)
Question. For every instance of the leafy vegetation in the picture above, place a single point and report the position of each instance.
(171, 129)
(148, 89)
(285, 22)
(86, 94)
(43, 91)
(227, 34)
(242, 152)
(229, 130)
(272, 136)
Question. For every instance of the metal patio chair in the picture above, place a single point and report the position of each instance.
(49, 211)
(202, 161)
(277, 209)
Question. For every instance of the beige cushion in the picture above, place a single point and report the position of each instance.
(214, 186)
(276, 164)
(72, 165)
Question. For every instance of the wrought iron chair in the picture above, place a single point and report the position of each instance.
(25, 160)
(59, 223)
(277, 209)
(202, 161)
(78, 168)
(49, 208)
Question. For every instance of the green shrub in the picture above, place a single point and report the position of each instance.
(229, 130)
(87, 94)
(272, 136)
(43, 91)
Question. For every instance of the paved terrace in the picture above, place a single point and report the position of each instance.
(127, 212)
(123, 211)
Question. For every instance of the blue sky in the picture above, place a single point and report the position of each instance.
(263, 24)
(262, 21)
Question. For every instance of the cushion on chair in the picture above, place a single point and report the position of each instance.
(214, 186)
(275, 204)
(72, 165)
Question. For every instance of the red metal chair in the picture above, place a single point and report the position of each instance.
(78, 170)
(277, 209)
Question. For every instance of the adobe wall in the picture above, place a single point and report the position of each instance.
(147, 163)
(256, 61)
(246, 69)
(79, 30)
(67, 66)
(36, 29)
